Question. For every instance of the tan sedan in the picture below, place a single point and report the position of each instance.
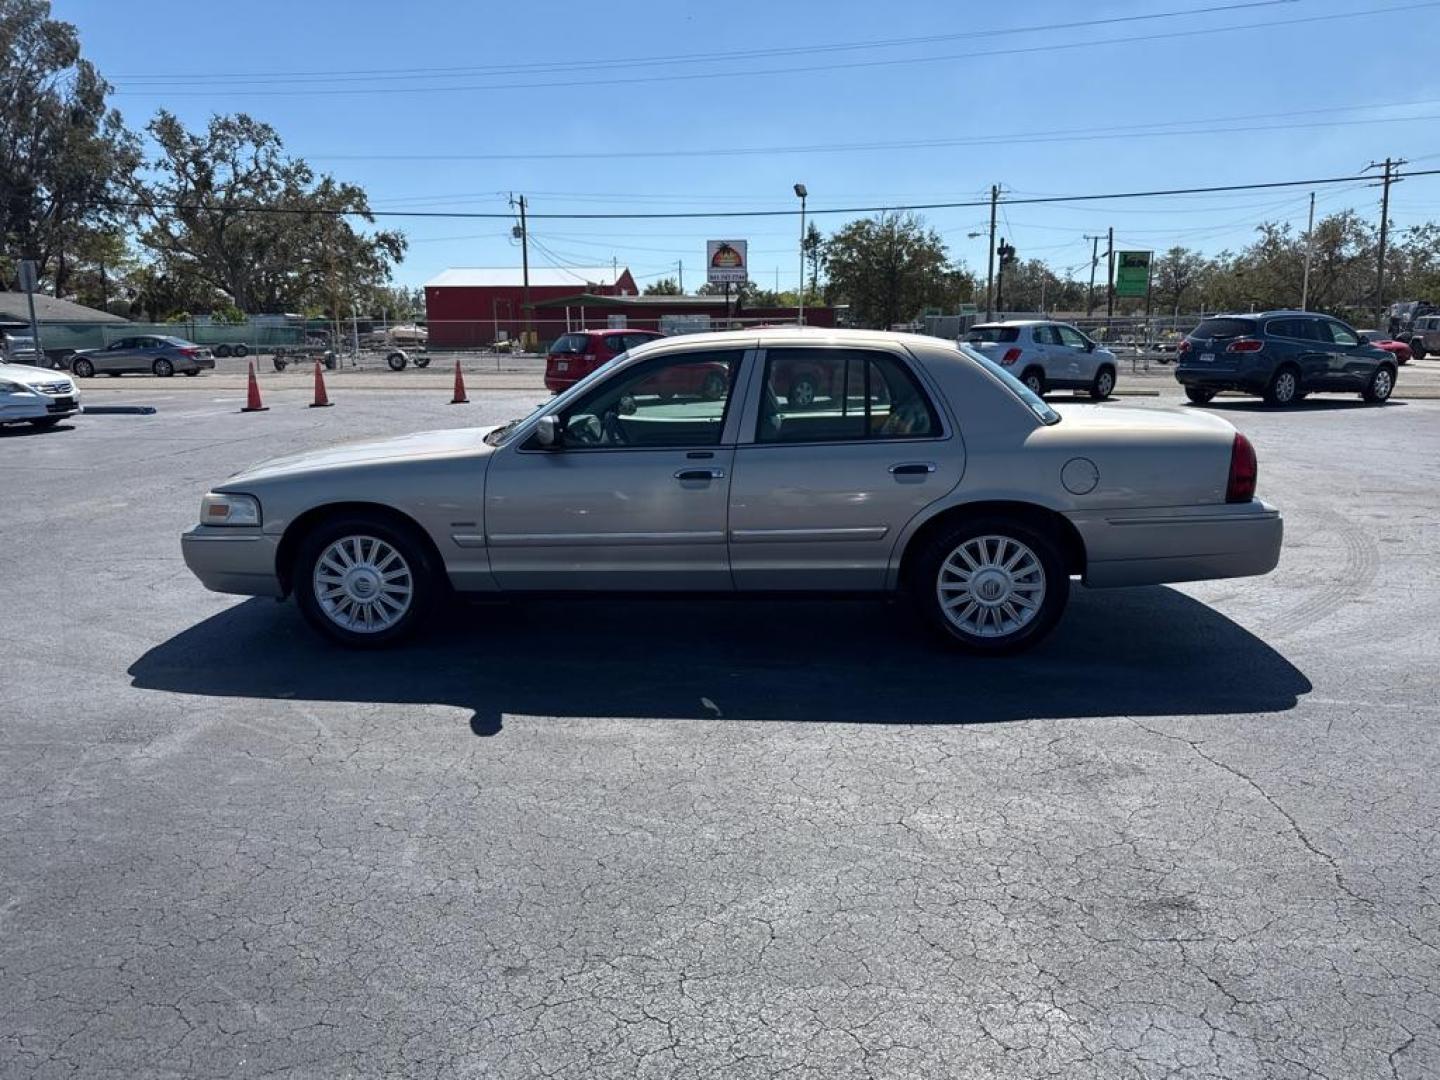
(921, 467)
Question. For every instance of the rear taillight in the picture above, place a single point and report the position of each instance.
(1245, 344)
(1184, 347)
(1011, 355)
(1244, 471)
(192, 353)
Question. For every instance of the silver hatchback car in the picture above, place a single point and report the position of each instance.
(920, 467)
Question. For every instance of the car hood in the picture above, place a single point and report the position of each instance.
(26, 375)
(413, 447)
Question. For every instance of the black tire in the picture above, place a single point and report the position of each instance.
(1034, 378)
(1381, 385)
(191, 374)
(1417, 350)
(222, 349)
(421, 361)
(240, 350)
(1284, 387)
(926, 583)
(396, 361)
(1199, 395)
(82, 368)
(1104, 384)
(803, 393)
(423, 576)
(280, 362)
(46, 422)
(163, 368)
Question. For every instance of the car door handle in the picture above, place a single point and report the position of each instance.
(912, 468)
(700, 474)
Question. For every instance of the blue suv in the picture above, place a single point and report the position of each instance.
(1282, 356)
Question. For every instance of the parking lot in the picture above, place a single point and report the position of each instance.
(1192, 834)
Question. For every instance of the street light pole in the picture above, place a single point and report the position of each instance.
(800, 191)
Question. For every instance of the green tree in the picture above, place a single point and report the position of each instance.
(813, 248)
(663, 287)
(1176, 275)
(203, 212)
(888, 268)
(63, 153)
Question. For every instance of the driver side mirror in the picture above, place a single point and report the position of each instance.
(1089, 345)
(549, 433)
(1365, 339)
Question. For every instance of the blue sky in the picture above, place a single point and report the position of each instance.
(407, 101)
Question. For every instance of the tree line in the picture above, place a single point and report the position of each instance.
(179, 230)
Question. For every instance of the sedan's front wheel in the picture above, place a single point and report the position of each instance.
(992, 585)
(364, 581)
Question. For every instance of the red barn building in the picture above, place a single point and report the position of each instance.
(477, 305)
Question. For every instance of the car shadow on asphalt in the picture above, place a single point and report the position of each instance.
(18, 429)
(1308, 405)
(1150, 651)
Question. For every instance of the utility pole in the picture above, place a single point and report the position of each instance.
(1386, 180)
(990, 274)
(1109, 275)
(680, 268)
(1094, 262)
(1309, 254)
(525, 274)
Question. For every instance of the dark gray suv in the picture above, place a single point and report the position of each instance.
(1282, 356)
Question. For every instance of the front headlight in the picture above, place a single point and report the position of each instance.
(7, 387)
(220, 508)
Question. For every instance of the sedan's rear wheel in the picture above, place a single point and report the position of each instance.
(164, 368)
(992, 585)
(364, 581)
(82, 368)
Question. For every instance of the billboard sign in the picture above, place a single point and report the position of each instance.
(725, 262)
(1132, 273)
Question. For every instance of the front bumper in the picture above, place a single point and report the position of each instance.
(228, 560)
(40, 407)
(1186, 543)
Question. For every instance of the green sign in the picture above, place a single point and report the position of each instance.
(969, 309)
(1132, 273)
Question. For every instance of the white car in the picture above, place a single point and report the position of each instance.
(36, 396)
(1046, 355)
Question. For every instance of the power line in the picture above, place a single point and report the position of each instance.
(1157, 129)
(121, 204)
(828, 68)
(170, 78)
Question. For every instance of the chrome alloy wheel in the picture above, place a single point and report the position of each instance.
(1382, 385)
(1285, 387)
(991, 586)
(362, 584)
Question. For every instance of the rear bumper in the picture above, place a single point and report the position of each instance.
(1189, 543)
(1248, 382)
(232, 560)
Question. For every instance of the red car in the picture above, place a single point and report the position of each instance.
(578, 353)
(1397, 349)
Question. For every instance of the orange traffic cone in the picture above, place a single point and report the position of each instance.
(322, 399)
(252, 399)
(459, 398)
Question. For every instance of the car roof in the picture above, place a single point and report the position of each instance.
(615, 330)
(1017, 322)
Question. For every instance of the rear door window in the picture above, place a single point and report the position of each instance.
(1070, 336)
(841, 395)
(1286, 328)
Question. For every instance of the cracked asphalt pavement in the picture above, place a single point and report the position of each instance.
(1192, 835)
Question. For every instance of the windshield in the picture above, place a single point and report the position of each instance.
(1033, 402)
(501, 435)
